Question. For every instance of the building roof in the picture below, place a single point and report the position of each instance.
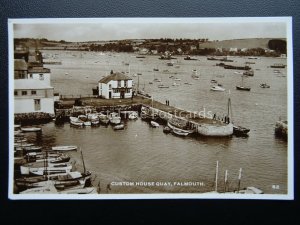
(24, 84)
(20, 64)
(114, 76)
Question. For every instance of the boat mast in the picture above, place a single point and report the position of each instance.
(216, 180)
(240, 176)
(225, 180)
(84, 170)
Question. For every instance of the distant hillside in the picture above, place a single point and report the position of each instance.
(240, 43)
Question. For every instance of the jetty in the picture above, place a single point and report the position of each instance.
(201, 124)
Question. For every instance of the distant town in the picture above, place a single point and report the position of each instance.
(239, 47)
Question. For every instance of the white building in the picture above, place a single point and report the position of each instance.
(115, 85)
(32, 89)
(33, 96)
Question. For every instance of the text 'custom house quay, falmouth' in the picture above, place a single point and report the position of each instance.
(118, 96)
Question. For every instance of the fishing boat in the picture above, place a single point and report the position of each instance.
(175, 84)
(217, 88)
(75, 121)
(93, 117)
(114, 118)
(188, 83)
(119, 127)
(264, 85)
(85, 120)
(154, 124)
(217, 129)
(31, 129)
(177, 79)
(133, 116)
(64, 148)
(242, 87)
(103, 118)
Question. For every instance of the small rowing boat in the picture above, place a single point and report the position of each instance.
(31, 129)
(154, 124)
(64, 148)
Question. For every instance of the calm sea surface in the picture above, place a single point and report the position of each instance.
(141, 153)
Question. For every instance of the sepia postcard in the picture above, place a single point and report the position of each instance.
(151, 108)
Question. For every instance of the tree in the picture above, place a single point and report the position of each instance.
(277, 45)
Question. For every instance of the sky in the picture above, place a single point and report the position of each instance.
(78, 30)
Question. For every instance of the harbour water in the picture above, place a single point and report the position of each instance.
(140, 153)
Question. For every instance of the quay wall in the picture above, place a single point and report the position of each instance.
(33, 118)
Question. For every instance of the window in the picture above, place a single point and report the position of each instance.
(37, 104)
(30, 76)
(128, 91)
(16, 93)
(24, 92)
(41, 76)
(33, 92)
(109, 87)
(125, 83)
(119, 83)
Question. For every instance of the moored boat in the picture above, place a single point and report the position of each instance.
(264, 85)
(217, 88)
(31, 129)
(85, 120)
(180, 132)
(64, 148)
(114, 118)
(154, 124)
(180, 129)
(38, 168)
(75, 121)
(51, 189)
(218, 129)
(241, 87)
(240, 131)
(103, 118)
(119, 127)
(62, 179)
(133, 116)
(163, 86)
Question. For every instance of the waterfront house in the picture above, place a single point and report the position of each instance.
(115, 85)
(32, 96)
(33, 92)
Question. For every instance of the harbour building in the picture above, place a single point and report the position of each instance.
(115, 85)
(33, 92)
